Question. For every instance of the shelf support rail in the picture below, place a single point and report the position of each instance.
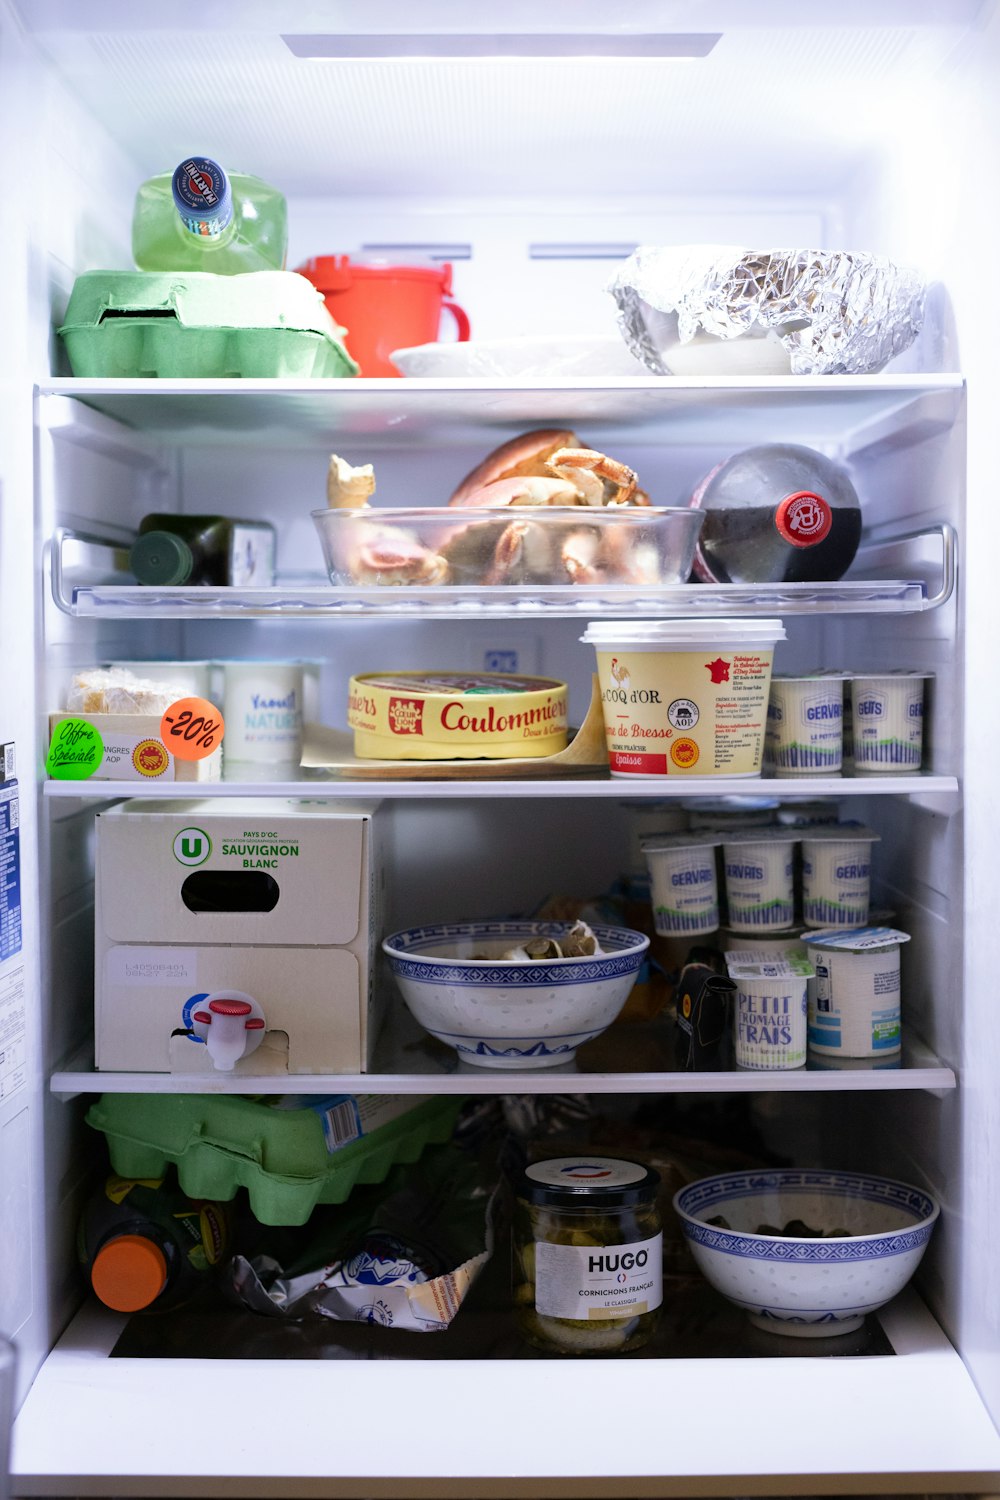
(89, 559)
(946, 535)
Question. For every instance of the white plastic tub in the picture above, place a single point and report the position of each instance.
(685, 697)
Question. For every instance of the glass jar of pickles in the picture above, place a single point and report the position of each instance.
(588, 1254)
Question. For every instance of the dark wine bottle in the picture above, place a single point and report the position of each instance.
(220, 550)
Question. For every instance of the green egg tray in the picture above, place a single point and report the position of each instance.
(198, 325)
(220, 1143)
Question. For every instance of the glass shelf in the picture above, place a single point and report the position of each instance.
(438, 412)
(630, 1058)
(891, 596)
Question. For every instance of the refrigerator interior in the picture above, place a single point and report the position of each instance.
(848, 125)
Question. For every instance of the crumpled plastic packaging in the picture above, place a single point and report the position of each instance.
(403, 1254)
(833, 312)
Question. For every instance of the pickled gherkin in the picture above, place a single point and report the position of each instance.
(587, 1255)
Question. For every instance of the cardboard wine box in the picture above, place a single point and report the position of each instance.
(276, 898)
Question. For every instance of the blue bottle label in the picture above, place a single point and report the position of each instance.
(202, 196)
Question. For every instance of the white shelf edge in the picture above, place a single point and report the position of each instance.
(928, 788)
(921, 1071)
(358, 388)
(96, 1426)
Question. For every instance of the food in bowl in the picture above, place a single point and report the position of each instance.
(542, 509)
(641, 546)
(499, 1012)
(861, 1241)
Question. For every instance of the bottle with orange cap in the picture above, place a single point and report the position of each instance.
(145, 1245)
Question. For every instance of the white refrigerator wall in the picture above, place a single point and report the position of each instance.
(927, 200)
(909, 188)
(54, 232)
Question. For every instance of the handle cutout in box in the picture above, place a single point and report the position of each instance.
(230, 891)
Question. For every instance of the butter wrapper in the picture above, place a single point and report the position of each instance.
(704, 1001)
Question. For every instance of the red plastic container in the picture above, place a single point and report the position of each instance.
(384, 307)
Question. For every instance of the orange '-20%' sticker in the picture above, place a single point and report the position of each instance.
(192, 728)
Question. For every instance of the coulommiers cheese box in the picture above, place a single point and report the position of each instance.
(456, 716)
(236, 936)
(131, 749)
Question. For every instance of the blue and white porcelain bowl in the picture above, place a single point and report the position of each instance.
(505, 1013)
(804, 1286)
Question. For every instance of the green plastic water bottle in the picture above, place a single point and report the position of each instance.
(200, 218)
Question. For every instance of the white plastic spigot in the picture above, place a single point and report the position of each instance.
(231, 1024)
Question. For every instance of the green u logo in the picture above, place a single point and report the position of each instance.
(192, 846)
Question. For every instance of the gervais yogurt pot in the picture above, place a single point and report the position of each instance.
(456, 716)
(685, 697)
(836, 875)
(887, 713)
(759, 870)
(720, 814)
(684, 888)
(805, 725)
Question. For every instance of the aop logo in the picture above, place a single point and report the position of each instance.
(192, 846)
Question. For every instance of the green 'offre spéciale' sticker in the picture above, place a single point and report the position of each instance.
(75, 751)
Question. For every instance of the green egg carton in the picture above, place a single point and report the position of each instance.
(194, 324)
(290, 1153)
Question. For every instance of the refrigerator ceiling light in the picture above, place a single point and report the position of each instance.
(525, 45)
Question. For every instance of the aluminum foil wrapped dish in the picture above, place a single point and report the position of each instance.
(727, 310)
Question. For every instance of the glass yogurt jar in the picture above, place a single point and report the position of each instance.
(588, 1254)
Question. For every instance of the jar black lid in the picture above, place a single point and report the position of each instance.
(588, 1182)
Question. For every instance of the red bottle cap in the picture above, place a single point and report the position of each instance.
(804, 519)
(129, 1273)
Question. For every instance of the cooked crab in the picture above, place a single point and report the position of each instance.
(539, 469)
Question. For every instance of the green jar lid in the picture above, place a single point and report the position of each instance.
(161, 558)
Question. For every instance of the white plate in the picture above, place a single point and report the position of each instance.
(537, 355)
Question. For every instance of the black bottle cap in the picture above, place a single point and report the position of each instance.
(161, 558)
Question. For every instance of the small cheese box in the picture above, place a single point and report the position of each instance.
(132, 750)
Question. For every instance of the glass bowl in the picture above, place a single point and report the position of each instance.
(534, 546)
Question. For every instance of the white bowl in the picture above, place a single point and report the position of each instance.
(507, 1013)
(537, 355)
(806, 1287)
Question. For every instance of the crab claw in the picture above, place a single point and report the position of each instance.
(578, 555)
(588, 470)
(507, 553)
